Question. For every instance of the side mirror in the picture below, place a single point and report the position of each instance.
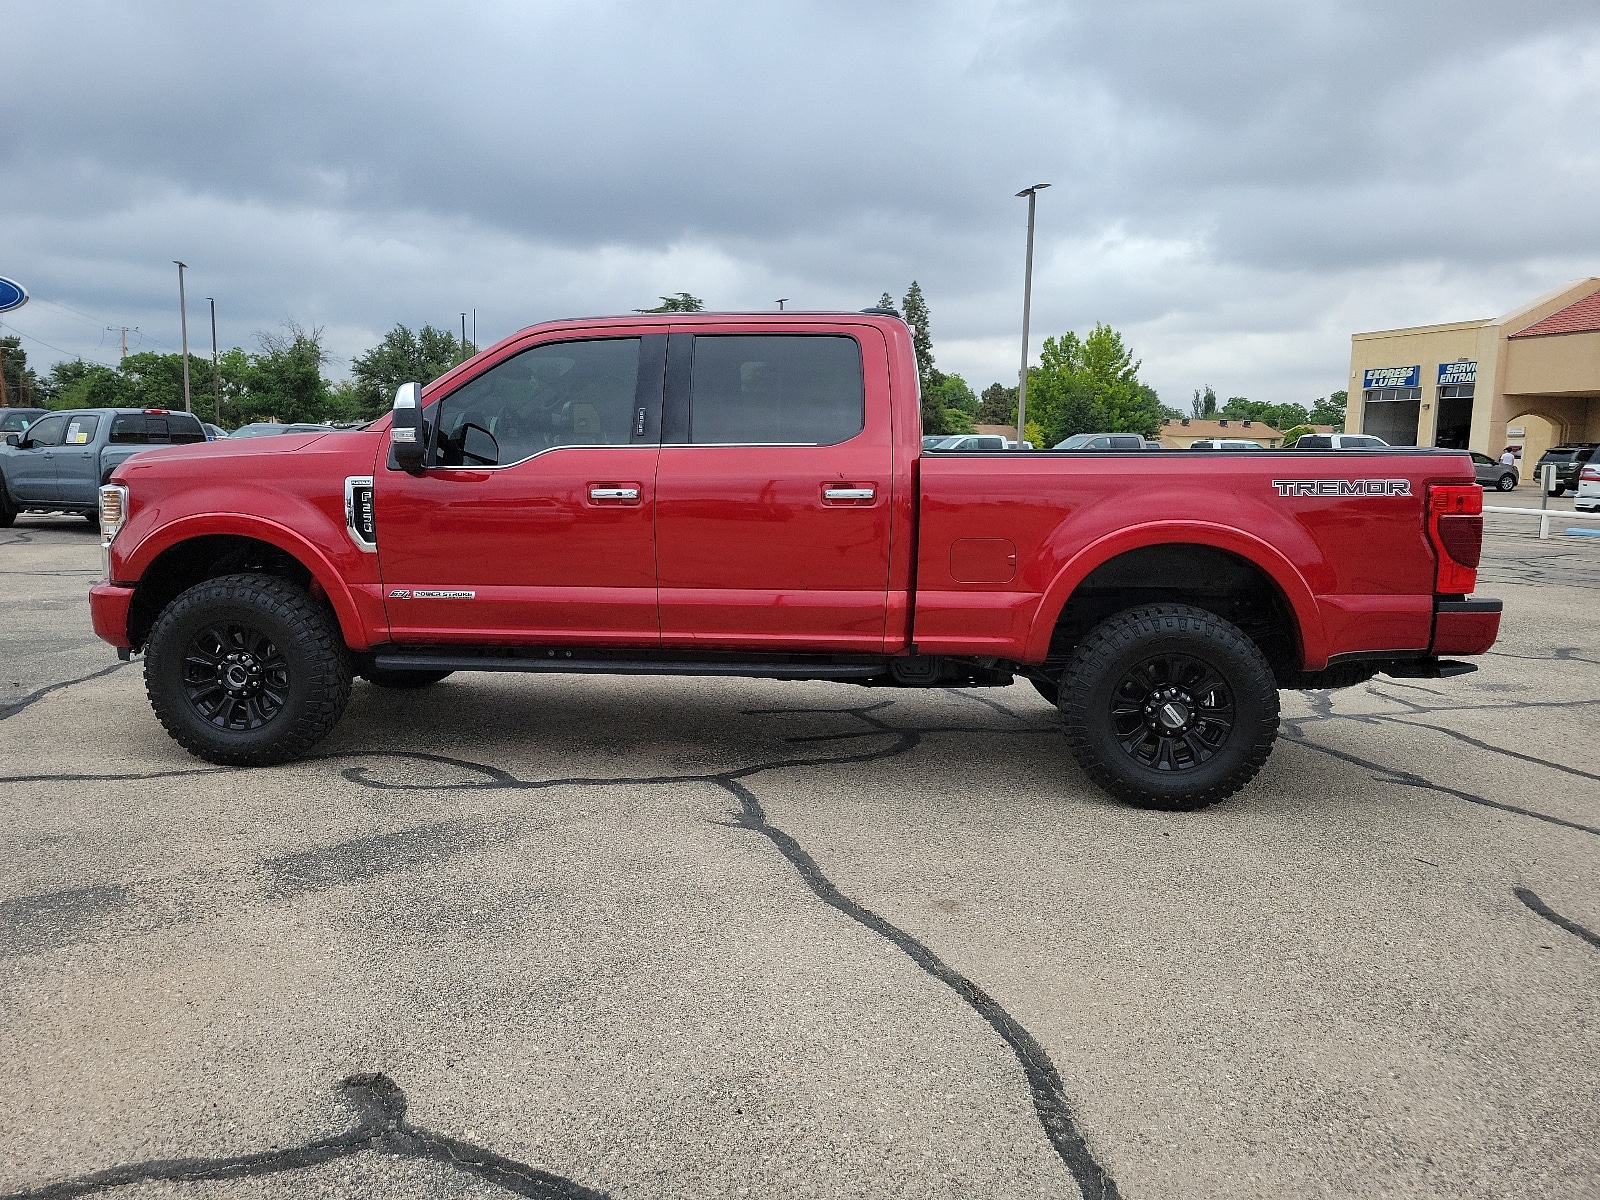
(14, 440)
(405, 431)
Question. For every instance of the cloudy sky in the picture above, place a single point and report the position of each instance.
(1238, 186)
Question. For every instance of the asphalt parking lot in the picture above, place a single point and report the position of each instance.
(579, 936)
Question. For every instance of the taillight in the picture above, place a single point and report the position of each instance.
(1455, 526)
(1591, 472)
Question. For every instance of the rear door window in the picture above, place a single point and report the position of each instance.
(81, 430)
(784, 389)
(185, 429)
(127, 429)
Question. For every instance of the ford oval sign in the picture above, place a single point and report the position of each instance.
(12, 295)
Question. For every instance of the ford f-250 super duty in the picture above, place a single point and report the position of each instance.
(718, 494)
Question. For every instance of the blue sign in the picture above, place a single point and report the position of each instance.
(1458, 372)
(1392, 377)
(12, 295)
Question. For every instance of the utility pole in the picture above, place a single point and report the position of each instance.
(124, 331)
(216, 373)
(474, 327)
(183, 317)
(4, 403)
(463, 337)
(1032, 194)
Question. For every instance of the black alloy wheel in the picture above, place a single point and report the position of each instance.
(247, 670)
(1169, 706)
(1171, 712)
(235, 677)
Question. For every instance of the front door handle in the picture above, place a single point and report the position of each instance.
(607, 493)
(849, 494)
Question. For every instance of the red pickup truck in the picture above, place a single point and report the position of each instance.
(737, 494)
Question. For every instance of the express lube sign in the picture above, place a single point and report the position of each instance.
(1392, 377)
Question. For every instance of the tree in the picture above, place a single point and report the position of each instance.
(682, 302)
(954, 403)
(1330, 410)
(1297, 431)
(1204, 405)
(402, 357)
(886, 301)
(21, 384)
(284, 381)
(917, 316)
(999, 406)
(1090, 385)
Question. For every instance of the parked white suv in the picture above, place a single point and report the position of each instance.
(1339, 441)
(1588, 497)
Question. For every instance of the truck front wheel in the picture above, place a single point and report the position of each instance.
(1169, 706)
(246, 670)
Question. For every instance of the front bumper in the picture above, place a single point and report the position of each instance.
(1465, 626)
(108, 608)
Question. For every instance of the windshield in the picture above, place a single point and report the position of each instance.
(1076, 441)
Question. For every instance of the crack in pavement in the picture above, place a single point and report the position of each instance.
(380, 1105)
(1050, 1102)
(13, 707)
(1555, 918)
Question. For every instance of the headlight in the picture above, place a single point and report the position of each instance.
(113, 509)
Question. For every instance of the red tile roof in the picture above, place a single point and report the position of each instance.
(1582, 317)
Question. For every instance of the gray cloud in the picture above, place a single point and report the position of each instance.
(1238, 186)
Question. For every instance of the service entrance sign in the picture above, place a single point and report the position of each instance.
(1457, 373)
(12, 294)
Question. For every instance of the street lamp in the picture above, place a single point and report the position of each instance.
(183, 318)
(781, 301)
(1032, 194)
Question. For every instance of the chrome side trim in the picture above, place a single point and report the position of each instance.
(356, 522)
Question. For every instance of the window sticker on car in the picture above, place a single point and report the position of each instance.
(1342, 487)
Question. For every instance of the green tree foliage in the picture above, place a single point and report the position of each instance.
(1090, 385)
(402, 357)
(1330, 410)
(22, 387)
(1296, 431)
(998, 406)
(886, 301)
(1205, 404)
(953, 404)
(284, 381)
(682, 302)
(915, 310)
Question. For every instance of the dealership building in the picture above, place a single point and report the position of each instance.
(1529, 379)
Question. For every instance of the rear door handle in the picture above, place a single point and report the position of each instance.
(614, 493)
(855, 494)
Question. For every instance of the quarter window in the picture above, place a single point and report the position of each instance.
(789, 389)
(559, 394)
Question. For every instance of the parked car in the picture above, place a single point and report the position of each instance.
(565, 502)
(971, 441)
(1338, 441)
(1569, 459)
(214, 433)
(1102, 441)
(1492, 473)
(15, 420)
(274, 428)
(59, 462)
(1225, 444)
(1588, 497)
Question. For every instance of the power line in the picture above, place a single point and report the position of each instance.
(48, 346)
(78, 312)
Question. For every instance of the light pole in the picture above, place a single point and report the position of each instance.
(1032, 194)
(216, 372)
(781, 302)
(183, 318)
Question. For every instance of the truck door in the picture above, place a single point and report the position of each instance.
(30, 470)
(773, 490)
(78, 460)
(534, 521)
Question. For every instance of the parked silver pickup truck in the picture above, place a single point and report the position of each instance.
(59, 462)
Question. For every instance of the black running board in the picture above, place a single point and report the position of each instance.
(559, 663)
(1427, 668)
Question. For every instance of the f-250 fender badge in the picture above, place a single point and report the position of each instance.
(1342, 487)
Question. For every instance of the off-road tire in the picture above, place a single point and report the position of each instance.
(402, 680)
(303, 634)
(1119, 652)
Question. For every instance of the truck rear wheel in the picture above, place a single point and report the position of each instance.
(1169, 706)
(246, 670)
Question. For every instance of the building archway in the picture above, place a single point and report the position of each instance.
(1539, 433)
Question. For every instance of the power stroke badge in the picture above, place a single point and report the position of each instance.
(1342, 487)
(428, 594)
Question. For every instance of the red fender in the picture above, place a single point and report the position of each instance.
(1308, 617)
(281, 536)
